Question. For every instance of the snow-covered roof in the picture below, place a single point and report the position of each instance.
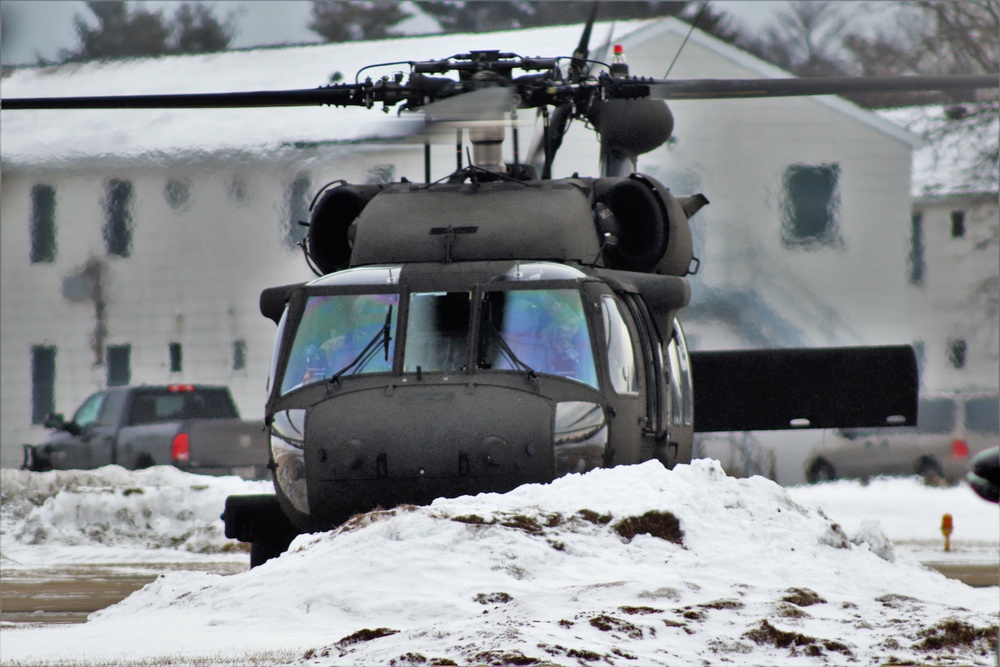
(956, 157)
(43, 138)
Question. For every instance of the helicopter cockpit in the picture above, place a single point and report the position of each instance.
(342, 331)
(539, 357)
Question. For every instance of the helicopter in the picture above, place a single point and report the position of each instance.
(500, 326)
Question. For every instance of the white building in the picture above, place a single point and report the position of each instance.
(135, 243)
(954, 265)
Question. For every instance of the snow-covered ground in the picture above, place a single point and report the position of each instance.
(635, 565)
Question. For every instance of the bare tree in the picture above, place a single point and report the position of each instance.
(944, 37)
(125, 32)
(482, 15)
(806, 39)
(196, 30)
(920, 37)
(119, 33)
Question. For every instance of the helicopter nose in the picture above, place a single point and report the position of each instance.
(403, 445)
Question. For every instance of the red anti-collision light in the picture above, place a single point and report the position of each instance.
(180, 449)
(959, 449)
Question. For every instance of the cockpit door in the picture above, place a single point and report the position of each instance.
(625, 381)
(651, 355)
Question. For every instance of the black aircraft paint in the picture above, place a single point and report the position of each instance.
(496, 328)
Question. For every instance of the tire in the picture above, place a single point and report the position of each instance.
(821, 470)
(931, 472)
(144, 461)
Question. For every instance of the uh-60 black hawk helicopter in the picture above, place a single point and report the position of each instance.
(501, 327)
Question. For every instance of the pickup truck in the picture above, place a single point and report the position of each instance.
(196, 428)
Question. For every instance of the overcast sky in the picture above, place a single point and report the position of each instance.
(41, 28)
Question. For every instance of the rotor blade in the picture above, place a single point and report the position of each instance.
(756, 88)
(340, 95)
(583, 48)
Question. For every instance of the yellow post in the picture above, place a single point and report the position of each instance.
(946, 527)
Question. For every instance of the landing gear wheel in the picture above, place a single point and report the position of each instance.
(259, 520)
(266, 548)
(821, 471)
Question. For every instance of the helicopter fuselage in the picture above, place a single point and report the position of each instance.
(473, 337)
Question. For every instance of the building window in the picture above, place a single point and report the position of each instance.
(957, 224)
(957, 350)
(43, 382)
(176, 357)
(810, 207)
(43, 224)
(177, 192)
(118, 217)
(915, 262)
(239, 354)
(239, 192)
(119, 365)
(298, 211)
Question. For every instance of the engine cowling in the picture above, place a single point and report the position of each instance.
(631, 223)
(648, 226)
(330, 220)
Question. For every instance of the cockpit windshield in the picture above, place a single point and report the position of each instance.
(437, 331)
(534, 331)
(342, 334)
(537, 331)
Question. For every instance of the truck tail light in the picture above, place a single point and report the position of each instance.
(180, 450)
(176, 388)
(959, 449)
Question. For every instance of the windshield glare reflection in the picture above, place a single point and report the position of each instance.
(334, 331)
(534, 331)
(543, 330)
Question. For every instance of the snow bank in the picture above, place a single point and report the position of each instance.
(910, 513)
(161, 508)
(633, 565)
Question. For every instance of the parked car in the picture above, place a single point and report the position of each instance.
(950, 430)
(194, 427)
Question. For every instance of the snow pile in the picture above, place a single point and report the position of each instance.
(158, 508)
(910, 513)
(635, 565)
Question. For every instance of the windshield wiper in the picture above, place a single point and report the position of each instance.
(508, 352)
(366, 355)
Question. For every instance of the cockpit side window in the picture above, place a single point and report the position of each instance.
(342, 334)
(544, 331)
(621, 352)
(682, 393)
